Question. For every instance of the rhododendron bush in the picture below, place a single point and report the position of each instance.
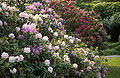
(83, 23)
(34, 44)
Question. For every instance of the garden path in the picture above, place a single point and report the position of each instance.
(114, 56)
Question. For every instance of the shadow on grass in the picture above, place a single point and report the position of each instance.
(113, 72)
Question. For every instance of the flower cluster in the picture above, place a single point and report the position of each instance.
(84, 23)
(37, 45)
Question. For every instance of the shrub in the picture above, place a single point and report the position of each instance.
(38, 47)
(82, 22)
(105, 9)
(108, 51)
(110, 48)
(113, 26)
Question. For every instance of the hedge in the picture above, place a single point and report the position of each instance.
(105, 9)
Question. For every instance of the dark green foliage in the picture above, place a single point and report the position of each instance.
(112, 26)
(105, 9)
(110, 49)
(110, 0)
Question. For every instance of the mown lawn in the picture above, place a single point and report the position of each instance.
(113, 65)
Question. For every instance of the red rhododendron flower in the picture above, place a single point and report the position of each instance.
(66, 5)
(53, 2)
(62, 4)
(88, 32)
(77, 29)
(85, 41)
(80, 19)
(76, 21)
(63, 8)
(87, 22)
(72, 6)
(84, 21)
(83, 32)
(94, 26)
(74, 9)
(80, 34)
(85, 28)
(89, 42)
(52, 7)
(83, 25)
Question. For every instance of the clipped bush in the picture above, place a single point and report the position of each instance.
(107, 9)
(82, 22)
(108, 52)
(37, 46)
(110, 48)
(112, 26)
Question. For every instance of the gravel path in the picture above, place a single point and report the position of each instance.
(114, 56)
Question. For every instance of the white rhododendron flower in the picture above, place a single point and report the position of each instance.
(96, 57)
(66, 36)
(71, 41)
(50, 69)
(13, 71)
(40, 19)
(56, 54)
(45, 38)
(24, 14)
(92, 55)
(32, 25)
(50, 46)
(26, 26)
(5, 23)
(92, 63)
(78, 39)
(17, 58)
(70, 36)
(47, 62)
(66, 58)
(27, 50)
(45, 15)
(58, 41)
(39, 35)
(5, 55)
(35, 17)
(56, 47)
(17, 29)
(55, 34)
(50, 29)
(21, 58)
(85, 53)
(12, 8)
(75, 65)
(59, 24)
(0, 9)
(12, 59)
(86, 60)
(1, 23)
(7, 13)
(4, 6)
(63, 43)
(30, 16)
(11, 35)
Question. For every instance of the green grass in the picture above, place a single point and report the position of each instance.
(113, 65)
